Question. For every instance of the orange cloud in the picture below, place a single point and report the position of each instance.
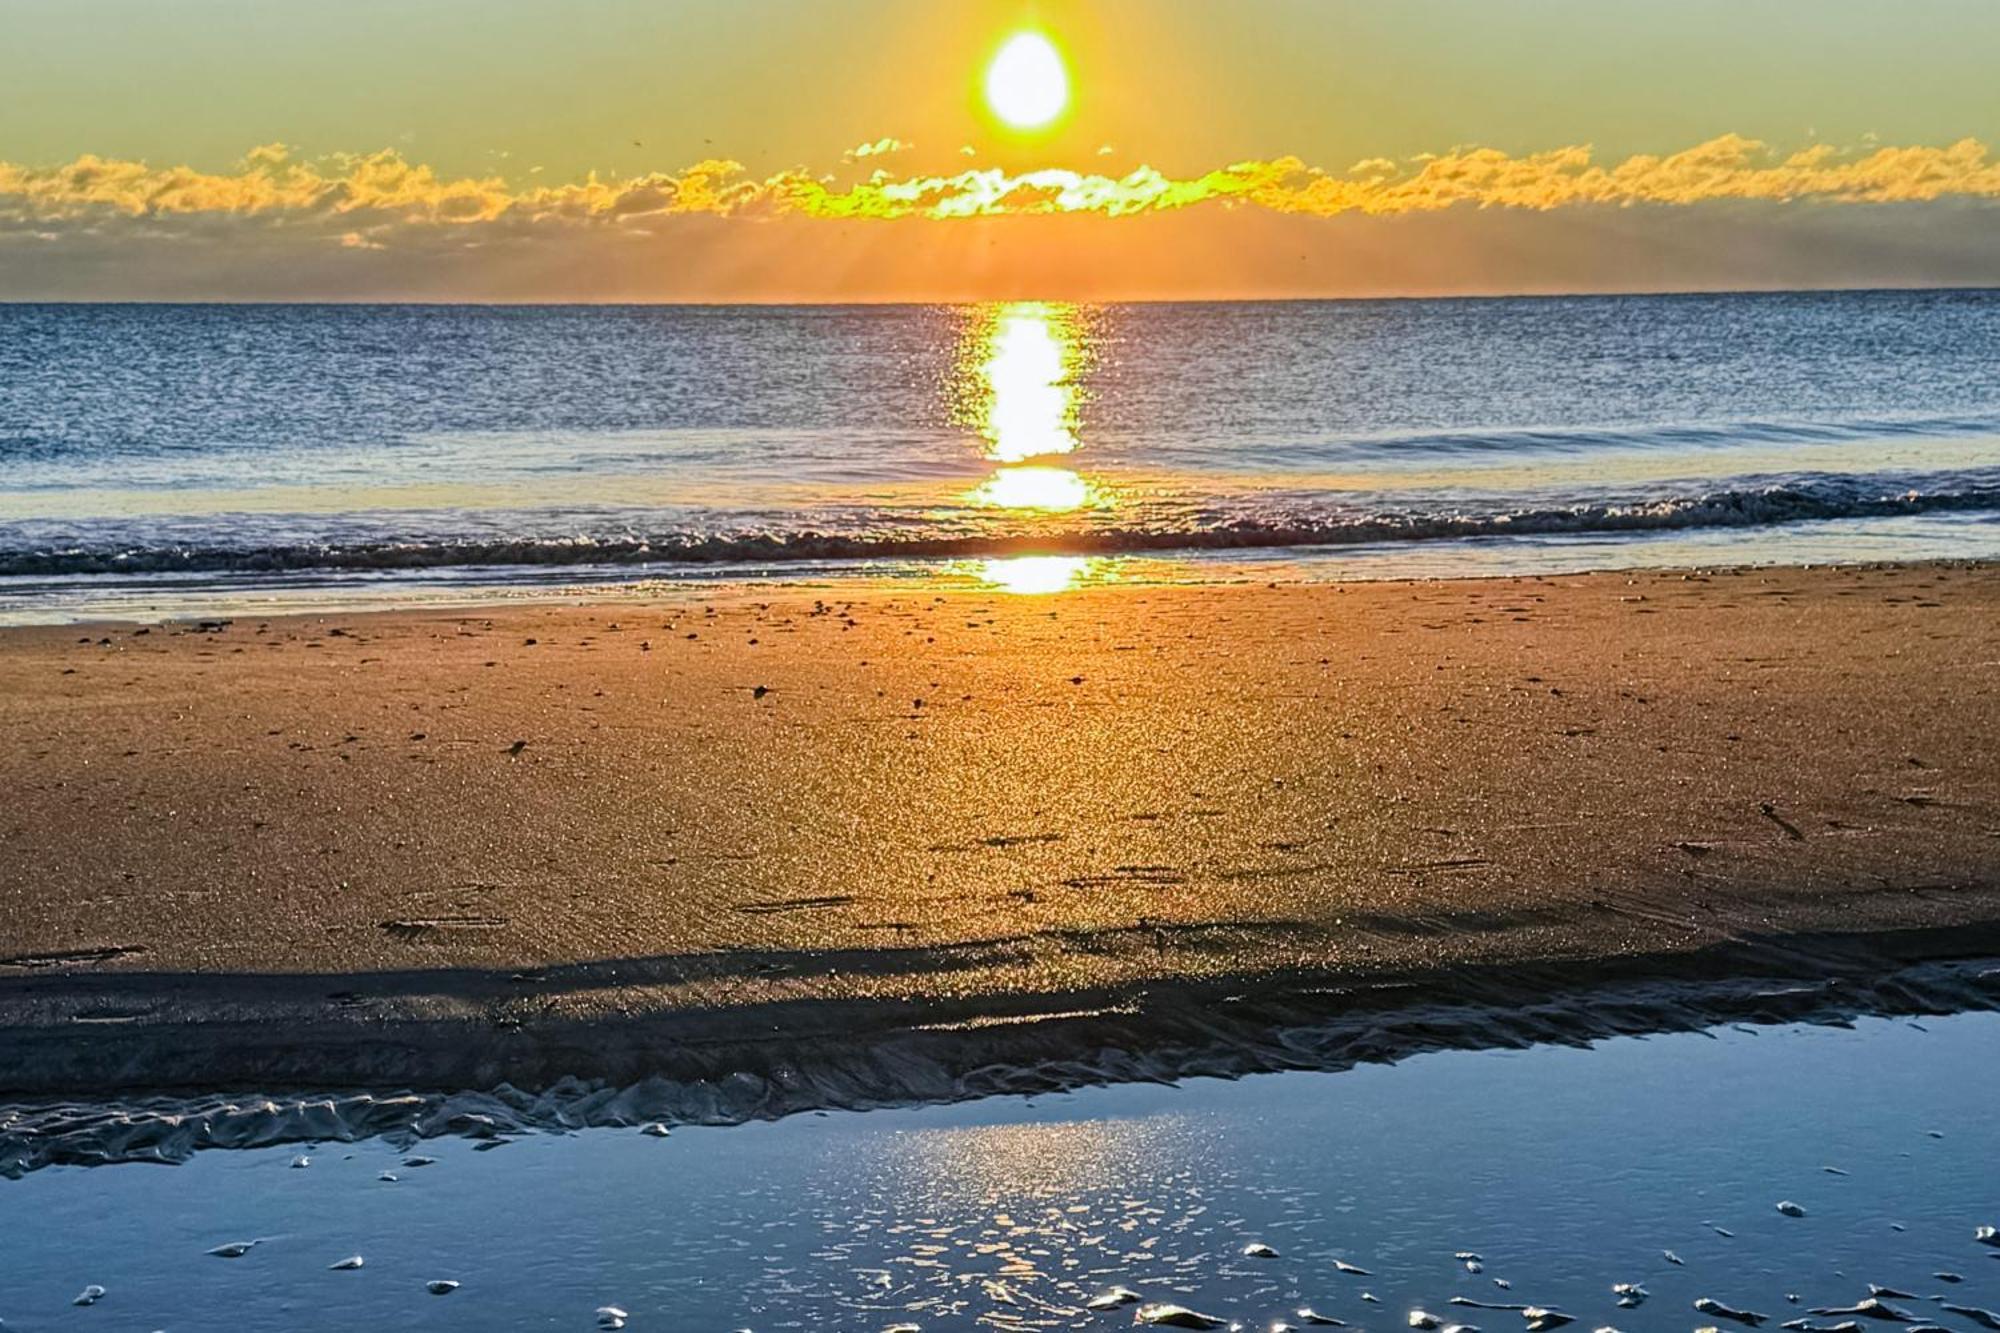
(361, 192)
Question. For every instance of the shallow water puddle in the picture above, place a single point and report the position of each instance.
(1542, 1178)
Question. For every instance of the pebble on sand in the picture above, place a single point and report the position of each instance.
(1163, 1315)
(90, 1295)
(301, 1162)
(351, 1262)
(1257, 1249)
(655, 1130)
(610, 1316)
(1708, 1306)
(1790, 1209)
(1630, 1295)
(441, 1286)
(1987, 1235)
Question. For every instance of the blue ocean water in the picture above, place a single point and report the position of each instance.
(224, 445)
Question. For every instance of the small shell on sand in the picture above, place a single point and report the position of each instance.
(441, 1286)
(90, 1295)
(1708, 1306)
(1164, 1315)
(1873, 1309)
(1257, 1249)
(301, 1162)
(347, 1265)
(1112, 1299)
(1790, 1209)
(235, 1249)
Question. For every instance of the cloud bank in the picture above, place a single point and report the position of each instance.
(1729, 213)
(359, 198)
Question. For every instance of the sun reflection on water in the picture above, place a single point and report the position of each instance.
(1026, 358)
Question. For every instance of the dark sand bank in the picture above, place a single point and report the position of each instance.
(402, 1050)
(784, 853)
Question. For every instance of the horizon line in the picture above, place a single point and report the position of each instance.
(913, 302)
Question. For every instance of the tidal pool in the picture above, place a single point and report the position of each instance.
(1537, 1177)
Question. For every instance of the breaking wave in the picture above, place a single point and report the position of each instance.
(1793, 501)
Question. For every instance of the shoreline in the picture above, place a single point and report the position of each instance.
(238, 856)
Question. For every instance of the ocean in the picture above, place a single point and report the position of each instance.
(166, 457)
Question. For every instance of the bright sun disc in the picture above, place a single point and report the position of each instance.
(1026, 85)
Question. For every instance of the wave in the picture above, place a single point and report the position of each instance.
(1793, 502)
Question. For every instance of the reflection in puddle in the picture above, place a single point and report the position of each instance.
(1564, 1169)
(1029, 356)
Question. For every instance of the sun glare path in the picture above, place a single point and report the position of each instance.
(1027, 85)
(1028, 356)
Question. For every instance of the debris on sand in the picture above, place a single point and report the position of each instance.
(1706, 1305)
(1112, 1299)
(1163, 1315)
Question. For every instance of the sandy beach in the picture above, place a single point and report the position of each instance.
(426, 847)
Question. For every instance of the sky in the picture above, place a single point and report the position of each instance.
(777, 150)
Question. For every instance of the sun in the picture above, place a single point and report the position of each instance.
(1026, 85)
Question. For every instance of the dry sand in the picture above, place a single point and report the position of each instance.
(398, 846)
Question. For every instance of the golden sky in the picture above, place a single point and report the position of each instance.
(799, 149)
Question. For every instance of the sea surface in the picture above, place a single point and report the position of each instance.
(1537, 1177)
(164, 455)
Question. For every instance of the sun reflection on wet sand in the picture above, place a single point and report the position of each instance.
(1027, 357)
(1041, 573)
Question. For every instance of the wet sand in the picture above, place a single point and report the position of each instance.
(427, 847)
